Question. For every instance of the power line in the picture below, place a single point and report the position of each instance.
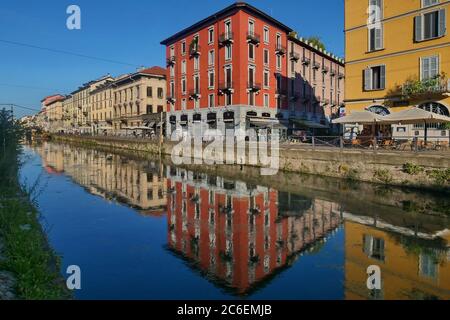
(66, 52)
(18, 106)
(27, 87)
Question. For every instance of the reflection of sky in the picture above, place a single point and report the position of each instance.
(123, 254)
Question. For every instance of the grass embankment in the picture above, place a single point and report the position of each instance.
(25, 252)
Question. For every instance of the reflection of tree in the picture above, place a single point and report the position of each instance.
(436, 249)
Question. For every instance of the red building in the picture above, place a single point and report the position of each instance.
(226, 69)
(230, 71)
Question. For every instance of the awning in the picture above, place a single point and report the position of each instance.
(263, 122)
(309, 124)
(415, 116)
(160, 124)
(150, 124)
(360, 117)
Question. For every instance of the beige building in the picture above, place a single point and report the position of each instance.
(51, 115)
(102, 108)
(67, 116)
(83, 105)
(140, 101)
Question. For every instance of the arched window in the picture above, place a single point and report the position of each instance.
(380, 110)
(435, 108)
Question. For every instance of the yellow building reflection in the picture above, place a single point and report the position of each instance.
(413, 266)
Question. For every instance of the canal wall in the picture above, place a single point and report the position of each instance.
(427, 170)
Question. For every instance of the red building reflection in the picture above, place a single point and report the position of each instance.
(240, 236)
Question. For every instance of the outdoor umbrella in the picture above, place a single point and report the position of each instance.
(416, 116)
(360, 117)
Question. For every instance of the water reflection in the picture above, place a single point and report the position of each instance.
(240, 236)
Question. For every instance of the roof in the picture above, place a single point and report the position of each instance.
(52, 99)
(154, 71)
(304, 42)
(222, 13)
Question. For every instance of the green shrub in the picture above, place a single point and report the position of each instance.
(383, 175)
(441, 177)
(412, 169)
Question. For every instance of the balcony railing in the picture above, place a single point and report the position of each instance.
(306, 61)
(226, 38)
(324, 102)
(333, 103)
(226, 87)
(325, 69)
(171, 61)
(294, 96)
(306, 98)
(253, 37)
(281, 92)
(341, 75)
(253, 86)
(194, 50)
(294, 56)
(280, 49)
(194, 94)
(316, 65)
(417, 88)
(332, 72)
(171, 99)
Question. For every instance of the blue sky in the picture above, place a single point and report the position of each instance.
(126, 31)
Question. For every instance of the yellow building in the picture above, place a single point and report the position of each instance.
(397, 57)
(67, 116)
(102, 108)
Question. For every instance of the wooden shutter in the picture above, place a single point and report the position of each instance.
(378, 38)
(418, 28)
(368, 79)
(442, 22)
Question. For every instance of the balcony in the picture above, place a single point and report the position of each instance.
(226, 87)
(306, 61)
(171, 99)
(316, 65)
(194, 94)
(280, 50)
(341, 75)
(306, 98)
(294, 56)
(294, 97)
(325, 69)
(253, 38)
(194, 50)
(429, 87)
(324, 102)
(253, 86)
(226, 38)
(171, 61)
(333, 103)
(332, 72)
(280, 92)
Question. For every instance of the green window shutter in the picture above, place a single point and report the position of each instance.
(418, 28)
(368, 79)
(442, 22)
(383, 77)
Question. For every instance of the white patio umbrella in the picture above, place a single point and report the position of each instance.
(415, 116)
(360, 117)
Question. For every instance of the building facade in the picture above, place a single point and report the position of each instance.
(230, 71)
(140, 101)
(52, 113)
(397, 58)
(68, 111)
(102, 97)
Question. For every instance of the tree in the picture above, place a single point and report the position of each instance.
(316, 41)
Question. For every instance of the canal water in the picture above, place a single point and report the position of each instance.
(143, 229)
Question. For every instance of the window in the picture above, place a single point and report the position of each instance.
(183, 67)
(428, 3)
(266, 79)
(183, 104)
(228, 52)
(266, 57)
(278, 62)
(183, 85)
(430, 25)
(211, 79)
(160, 93)
(228, 75)
(172, 51)
(211, 57)
(266, 34)
(172, 71)
(266, 100)
(149, 109)
(211, 35)
(196, 63)
(251, 27)
(375, 78)
(251, 98)
(429, 67)
(251, 75)
(197, 83)
(149, 92)
(211, 100)
(251, 52)
(183, 48)
(375, 38)
(160, 109)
